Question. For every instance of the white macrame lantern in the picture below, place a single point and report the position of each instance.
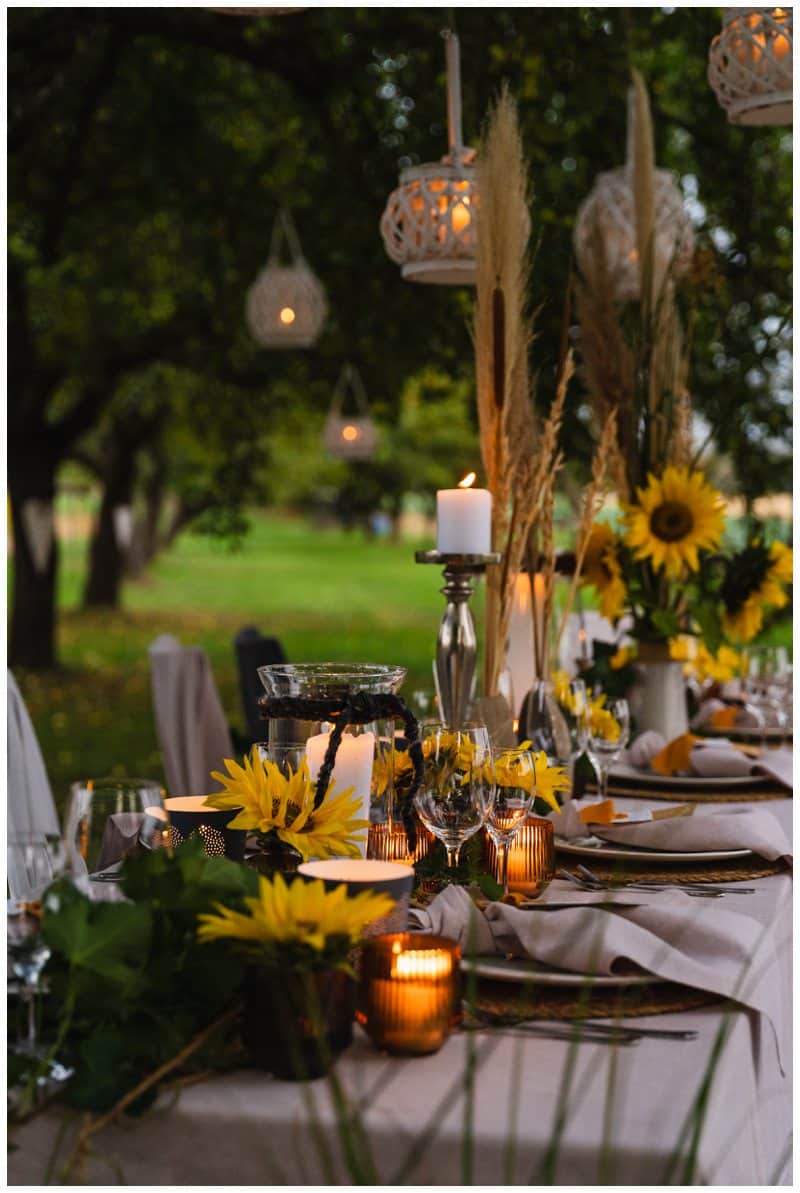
(350, 436)
(610, 212)
(286, 305)
(428, 226)
(750, 65)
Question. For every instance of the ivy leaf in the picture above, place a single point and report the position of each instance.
(110, 940)
(489, 887)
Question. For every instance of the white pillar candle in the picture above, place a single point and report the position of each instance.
(353, 766)
(520, 656)
(464, 520)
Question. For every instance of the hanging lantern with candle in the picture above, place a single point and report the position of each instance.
(428, 226)
(286, 305)
(750, 65)
(609, 212)
(350, 436)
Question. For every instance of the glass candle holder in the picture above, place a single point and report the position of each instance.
(190, 814)
(409, 994)
(389, 843)
(531, 857)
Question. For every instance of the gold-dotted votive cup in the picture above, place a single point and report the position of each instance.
(531, 857)
(409, 992)
(190, 815)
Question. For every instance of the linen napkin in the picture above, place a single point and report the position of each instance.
(190, 724)
(675, 939)
(707, 758)
(709, 827)
(31, 808)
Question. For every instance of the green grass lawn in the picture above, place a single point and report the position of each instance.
(326, 594)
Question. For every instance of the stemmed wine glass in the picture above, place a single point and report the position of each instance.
(109, 819)
(514, 792)
(457, 789)
(34, 862)
(606, 738)
(766, 685)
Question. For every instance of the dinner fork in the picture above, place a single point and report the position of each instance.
(703, 887)
(596, 885)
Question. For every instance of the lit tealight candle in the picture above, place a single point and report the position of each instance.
(531, 857)
(409, 991)
(464, 519)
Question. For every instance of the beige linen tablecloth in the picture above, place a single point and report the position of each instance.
(247, 1129)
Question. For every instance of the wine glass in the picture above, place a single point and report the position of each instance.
(34, 862)
(110, 819)
(607, 729)
(457, 789)
(766, 686)
(514, 791)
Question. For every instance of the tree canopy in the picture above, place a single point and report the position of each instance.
(149, 152)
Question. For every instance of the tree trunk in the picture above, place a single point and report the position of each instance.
(145, 544)
(106, 560)
(32, 467)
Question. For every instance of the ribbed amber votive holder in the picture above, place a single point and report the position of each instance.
(409, 993)
(389, 843)
(531, 857)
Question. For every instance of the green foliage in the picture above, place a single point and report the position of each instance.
(133, 983)
(434, 874)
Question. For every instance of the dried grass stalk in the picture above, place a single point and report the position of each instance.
(594, 496)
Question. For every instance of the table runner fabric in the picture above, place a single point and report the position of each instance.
(190, 723)
(31, 808)
(708, 828)
(244, 1128)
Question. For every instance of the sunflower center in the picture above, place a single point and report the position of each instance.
(672, 520)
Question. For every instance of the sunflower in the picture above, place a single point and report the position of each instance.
(284, 804)
(622, 656)
(700, 662)
(393, 768)
(549, 779)
(756, 578)
(298, 913)
(677, 515)
(601, 568)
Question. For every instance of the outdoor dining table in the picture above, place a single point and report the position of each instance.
(624, 1122)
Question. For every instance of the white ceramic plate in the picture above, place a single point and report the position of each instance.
(593, 846)
(503, 969)
(746, 732)
(648, 778)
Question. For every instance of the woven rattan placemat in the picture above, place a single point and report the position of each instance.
(686, 795)
(733, 870)
(553, 1002)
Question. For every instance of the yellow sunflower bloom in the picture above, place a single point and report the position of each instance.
(271, 801)
(392, 767)
(301, 912)
(743, 625)
(601, 568)
(621, 657)
(677, 515)
(699, 662)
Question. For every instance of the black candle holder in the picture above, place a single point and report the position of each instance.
(190, 815)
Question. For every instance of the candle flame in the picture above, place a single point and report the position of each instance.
(435, 963)
(468, 481)
(350, 433)
(287, 315)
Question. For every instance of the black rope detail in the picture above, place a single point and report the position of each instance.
(356, 708)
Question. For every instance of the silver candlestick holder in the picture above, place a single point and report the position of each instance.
(457, 644)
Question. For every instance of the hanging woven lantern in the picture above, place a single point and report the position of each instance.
(286, 306)
(428, 226)
(350, 436)
(750, 65)
(610, 212)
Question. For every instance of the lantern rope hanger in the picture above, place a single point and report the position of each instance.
(286, 305)
(350, 437)
(428, 225)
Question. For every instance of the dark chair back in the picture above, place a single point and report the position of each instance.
(253, 650)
